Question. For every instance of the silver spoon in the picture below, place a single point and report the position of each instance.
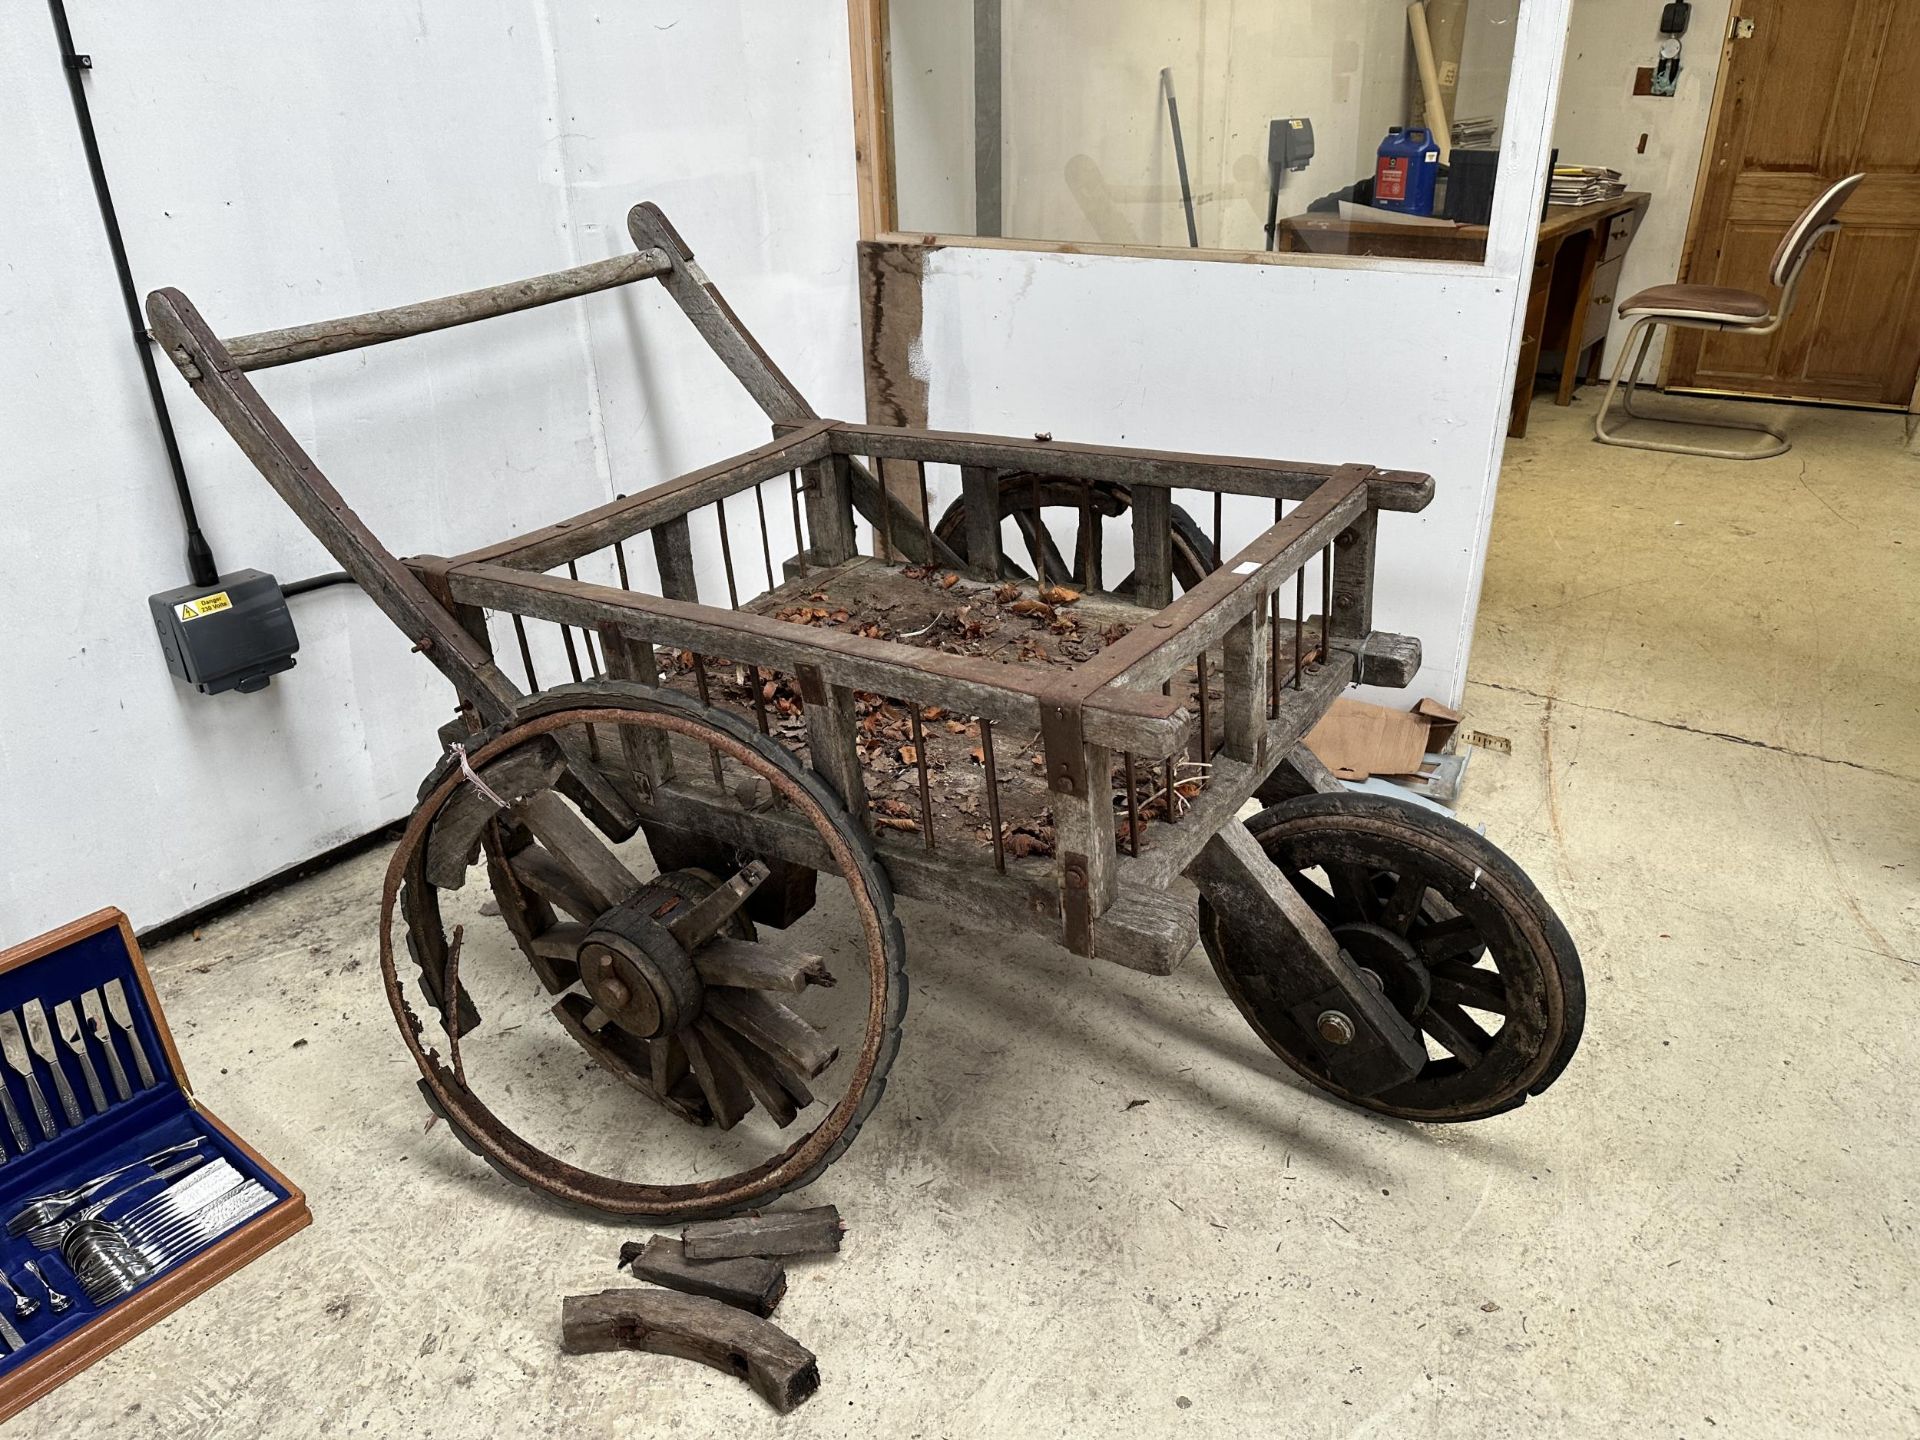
(23, 1305)
(58, 1301)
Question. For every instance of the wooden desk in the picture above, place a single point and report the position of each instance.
(1576, 285)
(1570, 302)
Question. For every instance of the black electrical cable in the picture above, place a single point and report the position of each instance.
(200, 566)
(317, 582)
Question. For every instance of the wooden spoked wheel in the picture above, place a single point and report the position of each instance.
(1442, 923)
(1083, 507)
(664, 982)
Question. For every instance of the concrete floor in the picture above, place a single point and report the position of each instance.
(1706, 671)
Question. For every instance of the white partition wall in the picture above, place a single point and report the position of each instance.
(1397, 363)
(292, 161)
(288, 162)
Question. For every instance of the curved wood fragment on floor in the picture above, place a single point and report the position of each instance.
(662, 1322)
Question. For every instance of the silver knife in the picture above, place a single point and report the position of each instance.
(12, 1116)
(20, 1136)
(40, 1036)
(11, 1336)
(14, 1045)
(123, 1017)
(97, 1022)
(68, 1021)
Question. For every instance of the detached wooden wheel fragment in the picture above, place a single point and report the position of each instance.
(1445, 926)
(1036, 502)
(663, 984)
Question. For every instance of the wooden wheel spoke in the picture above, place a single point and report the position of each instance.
(1458, 1032)
(1448, 939)
(753, 1068)
(1044, 553)
(1461, 984)
(708, 916)
(626, 1057)
(1404, 903)
(774, 1028)
(1353, 892)
(723, 1085)
(1316, 896)
(560, 940)
(666, 1063)
(750, 965)
(536, 869)
(598, 874)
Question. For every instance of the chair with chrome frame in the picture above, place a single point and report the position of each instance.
(1717, 307)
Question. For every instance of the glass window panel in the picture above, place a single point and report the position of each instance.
(1051, 121)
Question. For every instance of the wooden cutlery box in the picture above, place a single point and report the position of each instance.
(61, 970)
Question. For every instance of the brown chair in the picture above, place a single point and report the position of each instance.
(1718, 307)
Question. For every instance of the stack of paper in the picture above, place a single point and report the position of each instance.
(1583, 184)
(1475, 134)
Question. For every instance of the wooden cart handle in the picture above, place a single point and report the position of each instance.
(267, 348)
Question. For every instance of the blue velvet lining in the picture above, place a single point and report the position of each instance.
(150, 1120)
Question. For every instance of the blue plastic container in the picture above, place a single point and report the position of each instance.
(1405, 171)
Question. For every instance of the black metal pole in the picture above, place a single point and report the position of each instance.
(200, 566)
(1180, 160)
(1276, 160)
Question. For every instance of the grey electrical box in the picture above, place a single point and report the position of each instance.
(235, 634)
(1289, 143)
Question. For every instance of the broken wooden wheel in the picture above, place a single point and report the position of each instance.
(1034, 503)
(1443, 924)
(664, 982)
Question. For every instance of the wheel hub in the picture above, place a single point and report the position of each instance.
(1390, 963)
(637, 973)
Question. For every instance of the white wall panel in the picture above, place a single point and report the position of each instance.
(281, 163)
(1394, 363)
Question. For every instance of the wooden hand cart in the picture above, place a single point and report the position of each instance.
(908, 707)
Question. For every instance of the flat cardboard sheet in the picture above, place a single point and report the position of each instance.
(1355, 740)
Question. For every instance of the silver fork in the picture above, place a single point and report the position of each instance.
(49, 1235)
(42, 1208)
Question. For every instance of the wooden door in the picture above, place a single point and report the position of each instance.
(1818, 90)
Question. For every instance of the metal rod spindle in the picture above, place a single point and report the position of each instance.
(1326, 605)
(993, 796)
(620, 560)
(1299, 622)
(1206, 732)
(726, 553)
(1039, 533)
(700, 679)
(1133, 807)
(526, 654)
(766, 545)
(1085, 555)
(926, 510)
(586, 635)
(759, 697)
(573, 664)
(886, 510)
(799, 534)
(1273, 655)
(920, 761)
(1219, 555)
(1173, 800)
